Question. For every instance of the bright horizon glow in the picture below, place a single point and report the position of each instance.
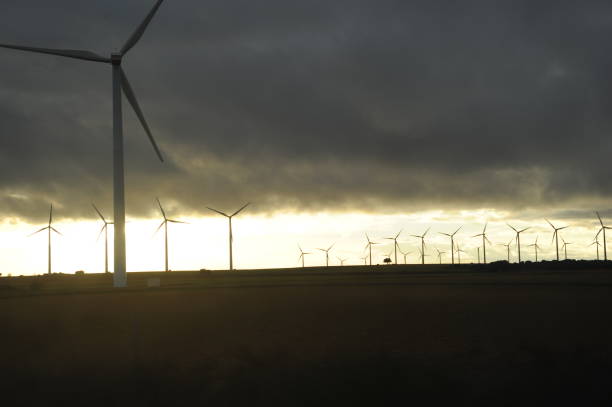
(272, 241)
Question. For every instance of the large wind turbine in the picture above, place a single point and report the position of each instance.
(603, 229)
(231, 237)
(555, 236)
(369, 246)
(327, 254)
(120, 86)
(165, 225)
(394, 244)
(518, 239)
(105, 230)
(302, 255)
(485, 239)
(422, 237)
(536, 247)
(452, 238)
(48, 228)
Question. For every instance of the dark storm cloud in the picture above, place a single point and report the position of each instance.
(360, 105)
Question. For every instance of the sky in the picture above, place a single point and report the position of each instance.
(332, 118)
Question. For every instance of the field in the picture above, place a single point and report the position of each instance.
(352, 335)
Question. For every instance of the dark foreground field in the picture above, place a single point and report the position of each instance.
(316, 338)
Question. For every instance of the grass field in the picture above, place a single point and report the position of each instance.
(311, 337)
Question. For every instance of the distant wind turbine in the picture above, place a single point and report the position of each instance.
(452, 238)
(485, 239)
(395, 246)
(365, 260)
(302, 255)
(48, 228)
(105, 230)
(459, 251)
(565, 244)
(231, 236)
(422, 237)
(507, 245)
(555, 236)
(341, 261)
(121, 86)
(518, 239)
(536, 247)
(440, 253)
(405, 254)
(327, 254)
(164, 224)
(603, 229)
(369, 246)
(597, 244)
(478, 249)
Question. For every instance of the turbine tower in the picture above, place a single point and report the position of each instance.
(459, 251)
(231, 237)
(369, 246)
(603, 229)
(440, 253)
(105, 230)
(48, 228)
(405, 254)
(536, 247)
(302, 255)
(120, 85)
(165, 225)
(452, 238)
(394, 244)
(507, 245)
(565, 244)
(422, 237)
(555, 236)
(485, 239)
(597, 244)
(518, 239)
(327, 254)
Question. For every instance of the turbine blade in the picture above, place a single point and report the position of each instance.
(100, 234)
(457, 230)
(599, 217)
(56, 231)
(485, 227)
(38, 231)
(159, 227)
(240, 210)
(50, 214)
(160, 208)
(219, 212)
(509, 225)
(400, 232)
(551, 225)
(131, 97)
(99, 213)
(177, 221)
(140, 29)
(68, 53)
(426, 231)
(524, 229)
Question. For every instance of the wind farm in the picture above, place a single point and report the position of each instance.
(313, 203)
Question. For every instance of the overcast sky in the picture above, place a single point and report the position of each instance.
(375, 106)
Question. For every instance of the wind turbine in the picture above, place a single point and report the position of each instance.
(507, 245)
(603, 228)
(478, 248)
(365, 260)
(341, 261)
(597, 244)
(105, 230)
(404, 254)
(536, 247)
(327, 254)
(452, 237)
(485, 239)
(48, 228)
(369, 246)
(518, 239)
(422, 237)
(302, 255)
(555, 236)
(440, 253)
(121, 86)
(565, 244)
(422, 254)
(394, 244)
(231, 237)
(165, 225)
(459, 251)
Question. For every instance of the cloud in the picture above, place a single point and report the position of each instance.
(347, 105)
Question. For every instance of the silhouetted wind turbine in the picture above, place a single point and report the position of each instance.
(440, 253)
(165, 225)
(231, 236)
(369, 246)
(120, 85)
(597, 244)
(507, 247)
(302, 255)
(327, 254)
(565, 244)
(555, 236)
(603, 229)
(485, 239)
(341, 261)
(478, 249)
(422, 254)
(422, 237)
(518, 239)
(536, 247)
(365, 260)
(404, 254)
(48, 228)
(459, 251)
(394, 244)
(105, 230)
(452, 237)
